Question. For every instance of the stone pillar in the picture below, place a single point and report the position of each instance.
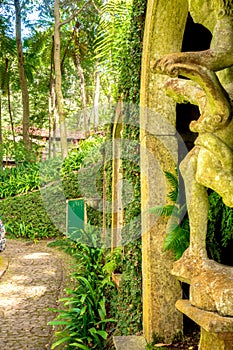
(165, 23)
(117, 178)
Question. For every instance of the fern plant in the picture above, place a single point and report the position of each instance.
(219, 239)
(178, 231)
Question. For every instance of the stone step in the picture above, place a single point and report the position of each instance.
(131, 342)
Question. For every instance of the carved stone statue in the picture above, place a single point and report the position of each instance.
(210, 163)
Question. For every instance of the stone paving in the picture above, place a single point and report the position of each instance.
(33, 277)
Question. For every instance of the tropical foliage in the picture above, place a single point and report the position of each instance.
(177, 238)
(85, 316)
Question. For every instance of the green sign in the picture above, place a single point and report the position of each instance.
(75, 216)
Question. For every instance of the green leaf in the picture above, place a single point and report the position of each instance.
(55, 323)
(60, 341)
(103, 334)
(166, 210)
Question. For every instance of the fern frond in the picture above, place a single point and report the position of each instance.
(166, 210)
(173, 180)
(173, 238)
(177, 240)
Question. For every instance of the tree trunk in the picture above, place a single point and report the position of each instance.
(58, 80)
(54, 119)
(1, 150)
(9, 101)
(96, 98)
(23, 81)
(82, 92)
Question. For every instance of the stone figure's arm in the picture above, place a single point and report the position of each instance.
(212, 99)
(218, 57)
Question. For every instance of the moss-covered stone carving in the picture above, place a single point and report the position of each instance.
(210, 163)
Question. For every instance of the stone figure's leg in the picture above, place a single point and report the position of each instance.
(210, 173)
(197, 204)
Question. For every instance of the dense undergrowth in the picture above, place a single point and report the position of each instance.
(85, 317)
(33, 194)
(95, 308)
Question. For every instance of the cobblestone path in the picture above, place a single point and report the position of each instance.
(33, 278)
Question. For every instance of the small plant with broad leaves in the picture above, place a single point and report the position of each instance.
(178, 231)
(84, 319)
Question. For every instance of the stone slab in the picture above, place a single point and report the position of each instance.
(210, 321)
(132, 342)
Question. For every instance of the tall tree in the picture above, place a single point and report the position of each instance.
(96, 98)
(23, 80)
(57, 67)
(78, 65)
(58, 79)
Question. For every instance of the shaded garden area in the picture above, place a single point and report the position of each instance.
(85, 116)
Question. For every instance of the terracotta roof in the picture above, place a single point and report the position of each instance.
(44, 133)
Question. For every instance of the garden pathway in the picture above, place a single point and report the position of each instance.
(33, 277)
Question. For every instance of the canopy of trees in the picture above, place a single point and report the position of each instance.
(60, 61)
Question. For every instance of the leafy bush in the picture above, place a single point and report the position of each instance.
(18, 180)
(25, 216)
(84, 318)
(88, 153)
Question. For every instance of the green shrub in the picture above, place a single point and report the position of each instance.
(18, 180)
(25, 216)
(88, 153)
(84, 319)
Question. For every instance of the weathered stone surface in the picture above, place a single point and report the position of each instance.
(210, 321)
(165, 23)
(210, 163)
(212, 289)
(210, 341)
(211, 284)
(129, 343)
(216, 331)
